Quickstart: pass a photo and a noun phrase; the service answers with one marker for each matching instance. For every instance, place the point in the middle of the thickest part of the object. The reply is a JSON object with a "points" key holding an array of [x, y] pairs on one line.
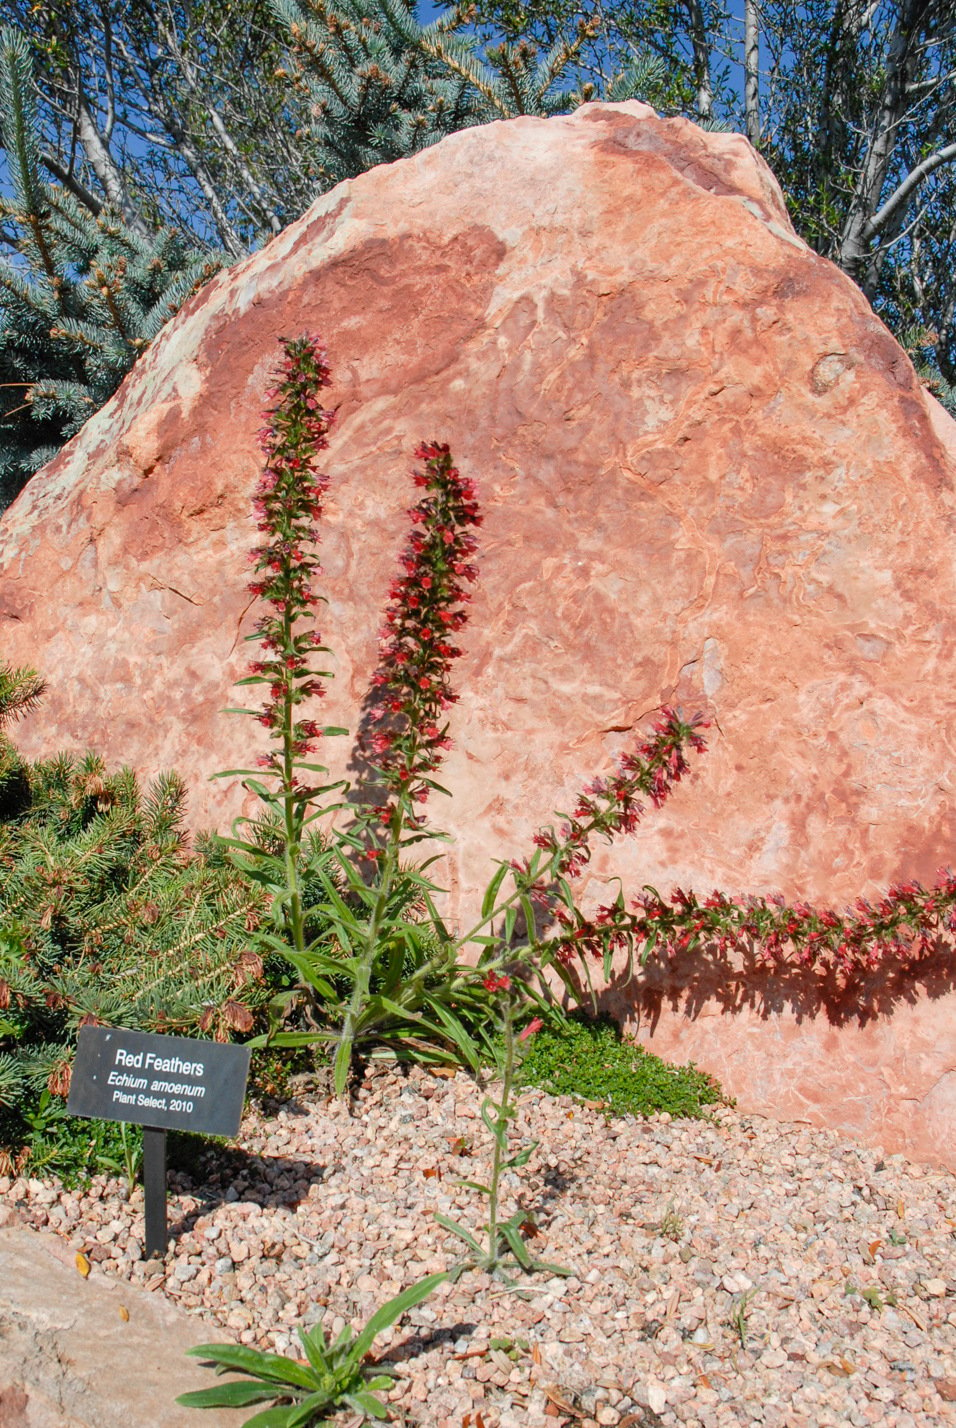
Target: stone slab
{"points": [[71, 1358]]}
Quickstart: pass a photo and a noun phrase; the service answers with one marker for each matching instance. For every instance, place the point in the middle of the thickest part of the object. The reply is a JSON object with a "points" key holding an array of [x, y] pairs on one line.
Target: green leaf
{"points": [[522, 1157], [294, 1038], [570, 985], [530, 917], [392, 966], [387, 1315], [239, 1359], [317, 1335], [494, 887], [474, 1185], [364, 1401], [236, 1394], [246, 773], [439, 788], [518, 1246], [422, 836], [311, 969], [435, 920], [271, 1418], [544, 1266], [495, 1124], [457, 1031], [254, 785], [462, 1234], [316, 1349], [303, 1414], [335, 908], [342, 1062], [343, 1341], [379, 1382], [243, 844], [567, 895], [650, 942]]}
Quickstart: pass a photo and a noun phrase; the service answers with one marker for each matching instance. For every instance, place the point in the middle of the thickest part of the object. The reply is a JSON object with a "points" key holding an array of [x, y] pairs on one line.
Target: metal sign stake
{"points": [[160, 1083], [154, 1185]]}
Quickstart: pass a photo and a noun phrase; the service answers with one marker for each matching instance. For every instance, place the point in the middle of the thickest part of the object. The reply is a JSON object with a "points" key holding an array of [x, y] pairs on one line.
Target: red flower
{"points": [[494, 983]]}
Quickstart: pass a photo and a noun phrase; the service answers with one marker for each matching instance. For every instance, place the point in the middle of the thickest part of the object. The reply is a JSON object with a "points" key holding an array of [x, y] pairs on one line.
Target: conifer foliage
{"points": [[380, 86], [83, 296], [107, 916]]}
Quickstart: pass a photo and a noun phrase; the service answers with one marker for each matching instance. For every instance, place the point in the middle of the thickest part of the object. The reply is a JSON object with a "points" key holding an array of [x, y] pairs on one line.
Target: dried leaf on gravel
{"points": [[555, 1396]]}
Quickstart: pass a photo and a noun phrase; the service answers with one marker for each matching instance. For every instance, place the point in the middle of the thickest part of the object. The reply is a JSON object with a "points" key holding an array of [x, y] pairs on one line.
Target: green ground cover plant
{"points": [[44, 1139], [334, 1374], [591, 1059]]}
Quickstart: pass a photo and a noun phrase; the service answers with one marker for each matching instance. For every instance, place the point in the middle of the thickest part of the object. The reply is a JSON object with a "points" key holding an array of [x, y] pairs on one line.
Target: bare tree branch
{"points": [[68, 179], [108, 173], [902, 195]]}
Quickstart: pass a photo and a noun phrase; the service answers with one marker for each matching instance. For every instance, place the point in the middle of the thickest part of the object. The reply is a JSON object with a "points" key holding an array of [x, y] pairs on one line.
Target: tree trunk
{"points": [[701, 48], [752, 71], [851, 252], [103, 165]]}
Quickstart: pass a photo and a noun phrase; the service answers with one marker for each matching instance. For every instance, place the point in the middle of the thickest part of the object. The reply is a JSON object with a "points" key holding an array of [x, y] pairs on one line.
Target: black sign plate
{"points": [[171, 1082]]}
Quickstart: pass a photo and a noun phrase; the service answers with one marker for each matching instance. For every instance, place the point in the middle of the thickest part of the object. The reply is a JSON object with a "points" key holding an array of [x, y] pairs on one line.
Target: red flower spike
{"points": [[612, 806], [288, 499], [411, 686]]}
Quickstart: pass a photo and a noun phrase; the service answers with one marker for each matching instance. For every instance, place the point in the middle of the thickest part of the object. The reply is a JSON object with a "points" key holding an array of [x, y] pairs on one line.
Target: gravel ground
{"points": [[732, 1271]]}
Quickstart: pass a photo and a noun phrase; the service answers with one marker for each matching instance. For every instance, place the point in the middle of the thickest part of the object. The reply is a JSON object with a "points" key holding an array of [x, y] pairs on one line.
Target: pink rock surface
{"points": [[91, 1353], [710, 477]]}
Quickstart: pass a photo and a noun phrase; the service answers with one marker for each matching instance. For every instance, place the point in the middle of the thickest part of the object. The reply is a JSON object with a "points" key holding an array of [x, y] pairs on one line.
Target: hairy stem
{"points": [[501, 1129]]}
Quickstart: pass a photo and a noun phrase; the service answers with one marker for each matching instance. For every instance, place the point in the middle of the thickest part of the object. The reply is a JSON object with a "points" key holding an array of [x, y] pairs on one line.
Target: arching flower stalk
{"points": [[541, 886]]}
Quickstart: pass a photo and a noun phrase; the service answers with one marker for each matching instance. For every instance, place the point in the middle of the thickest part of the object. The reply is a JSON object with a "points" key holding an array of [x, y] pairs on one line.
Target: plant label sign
{"points": [[170, 1082]]}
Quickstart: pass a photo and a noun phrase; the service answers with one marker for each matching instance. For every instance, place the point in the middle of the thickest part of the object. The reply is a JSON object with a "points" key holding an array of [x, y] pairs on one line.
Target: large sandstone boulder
{"points": [[710, 477]]}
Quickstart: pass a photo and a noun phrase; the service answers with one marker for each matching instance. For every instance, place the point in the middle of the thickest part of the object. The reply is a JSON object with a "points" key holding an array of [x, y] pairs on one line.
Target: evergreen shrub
{"points": [[107, 916]]}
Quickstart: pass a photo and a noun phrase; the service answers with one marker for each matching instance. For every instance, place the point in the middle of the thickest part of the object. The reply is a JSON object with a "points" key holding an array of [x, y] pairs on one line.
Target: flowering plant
{"points": [[287, 503], [504, 1242], [358, 916]]}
